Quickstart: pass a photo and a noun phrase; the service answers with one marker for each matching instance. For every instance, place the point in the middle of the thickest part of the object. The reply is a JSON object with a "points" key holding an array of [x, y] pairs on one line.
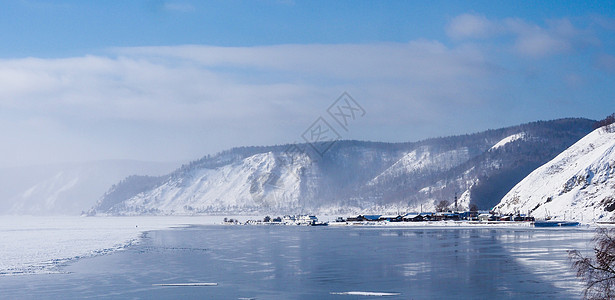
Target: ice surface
{"points": [[34, 245], [187, 284], [375, 294], [300, 262]]}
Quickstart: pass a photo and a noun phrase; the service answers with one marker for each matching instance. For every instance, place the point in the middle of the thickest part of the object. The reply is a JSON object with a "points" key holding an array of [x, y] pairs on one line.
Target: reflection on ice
{"points": [[545, 253], [414, 269]]}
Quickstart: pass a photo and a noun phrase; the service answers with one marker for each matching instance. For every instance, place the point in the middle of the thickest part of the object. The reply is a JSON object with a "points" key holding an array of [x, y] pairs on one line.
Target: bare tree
{"points": [[606, 121], [442, 206], [598, 273]]}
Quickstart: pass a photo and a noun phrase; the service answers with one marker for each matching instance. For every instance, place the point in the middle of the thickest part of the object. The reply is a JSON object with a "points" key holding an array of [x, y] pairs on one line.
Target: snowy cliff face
{"points": [[578, 184], [261, 182], [351, 176]]}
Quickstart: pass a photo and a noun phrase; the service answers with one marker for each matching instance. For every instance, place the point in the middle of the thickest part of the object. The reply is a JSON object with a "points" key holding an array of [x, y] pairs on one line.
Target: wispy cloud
{"points": [[178, 84], [472, 26], [178, 7], [337, 61], [532, 40], [240, 95], [180, 102]]}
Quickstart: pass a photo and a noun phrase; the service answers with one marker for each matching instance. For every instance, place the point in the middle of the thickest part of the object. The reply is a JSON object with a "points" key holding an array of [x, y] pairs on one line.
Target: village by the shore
{"points": [[450, 218]]}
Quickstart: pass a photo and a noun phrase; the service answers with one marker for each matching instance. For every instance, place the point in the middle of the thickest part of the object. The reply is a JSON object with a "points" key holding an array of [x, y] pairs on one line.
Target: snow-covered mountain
{"points": [[578, 184], [352, 176], [261, 181], [66, 189]]}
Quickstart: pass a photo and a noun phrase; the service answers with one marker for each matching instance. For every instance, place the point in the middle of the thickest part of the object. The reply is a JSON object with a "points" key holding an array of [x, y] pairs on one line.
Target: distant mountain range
{"points": [[350, 176], [66, 189], [579, 184]]}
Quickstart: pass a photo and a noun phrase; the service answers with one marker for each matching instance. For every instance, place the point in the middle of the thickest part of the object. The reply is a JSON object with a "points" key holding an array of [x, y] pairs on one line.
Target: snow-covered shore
{"points": [[38, 245]]}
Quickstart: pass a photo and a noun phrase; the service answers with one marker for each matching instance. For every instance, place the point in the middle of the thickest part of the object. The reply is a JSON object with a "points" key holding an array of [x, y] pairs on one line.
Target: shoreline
{"points": [[57, 242], [428, 224]]}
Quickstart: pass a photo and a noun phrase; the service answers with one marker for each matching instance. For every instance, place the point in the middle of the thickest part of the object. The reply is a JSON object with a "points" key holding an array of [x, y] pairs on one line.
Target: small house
{"points": [[390, 218], [413, 217], [486, 217], [358, 218], [371, 217], [505, 218]]}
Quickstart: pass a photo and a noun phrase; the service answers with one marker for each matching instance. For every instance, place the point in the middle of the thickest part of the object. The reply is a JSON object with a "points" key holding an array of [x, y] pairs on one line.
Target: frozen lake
{"points": [[293, 262]]}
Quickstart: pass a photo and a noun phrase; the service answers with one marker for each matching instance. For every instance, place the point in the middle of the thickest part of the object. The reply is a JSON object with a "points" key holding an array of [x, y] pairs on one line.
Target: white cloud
{"points": [[559, 36], [532, 40], [181, 102], [471, 26], [178, 7], [536, 41], [419, 59], [202, 99]]}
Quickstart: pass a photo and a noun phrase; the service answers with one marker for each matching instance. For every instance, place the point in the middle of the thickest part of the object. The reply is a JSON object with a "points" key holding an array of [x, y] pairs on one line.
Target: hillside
{"points": [[578, 184], [65, 189], [352, 176]]}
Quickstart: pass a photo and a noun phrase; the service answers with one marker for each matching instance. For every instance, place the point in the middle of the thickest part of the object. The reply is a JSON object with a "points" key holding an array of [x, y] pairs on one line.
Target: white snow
{"points": [[577, 184], [34, 245], [508, 139], [464, 200], [262, 181], [422, 160]]}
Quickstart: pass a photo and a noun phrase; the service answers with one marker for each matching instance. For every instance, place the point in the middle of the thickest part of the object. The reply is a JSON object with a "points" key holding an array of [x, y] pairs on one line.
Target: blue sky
{"points": [[61, 28], [175, 80]]}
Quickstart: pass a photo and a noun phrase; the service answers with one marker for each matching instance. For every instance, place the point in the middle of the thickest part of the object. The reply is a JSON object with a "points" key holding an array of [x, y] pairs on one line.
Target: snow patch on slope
{"points": [[507, 140], [578, 184]]}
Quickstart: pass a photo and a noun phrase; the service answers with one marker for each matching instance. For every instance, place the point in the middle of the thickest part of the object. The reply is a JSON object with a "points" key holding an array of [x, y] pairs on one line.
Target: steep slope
{"points": [[578, 184], [352, 176], [264, 181], [497, 160]]}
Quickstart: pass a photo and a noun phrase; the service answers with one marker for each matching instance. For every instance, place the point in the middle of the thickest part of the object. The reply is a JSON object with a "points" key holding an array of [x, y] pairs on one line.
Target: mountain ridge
{"points": [[66, 188], [351, 176]]}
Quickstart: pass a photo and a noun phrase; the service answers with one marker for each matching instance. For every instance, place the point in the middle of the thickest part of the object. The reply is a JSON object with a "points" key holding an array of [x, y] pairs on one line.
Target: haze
{"points": [[173, 81]]}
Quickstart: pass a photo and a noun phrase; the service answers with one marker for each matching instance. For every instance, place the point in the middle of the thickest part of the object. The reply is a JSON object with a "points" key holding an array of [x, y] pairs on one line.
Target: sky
{"points": [[177, 80]]}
